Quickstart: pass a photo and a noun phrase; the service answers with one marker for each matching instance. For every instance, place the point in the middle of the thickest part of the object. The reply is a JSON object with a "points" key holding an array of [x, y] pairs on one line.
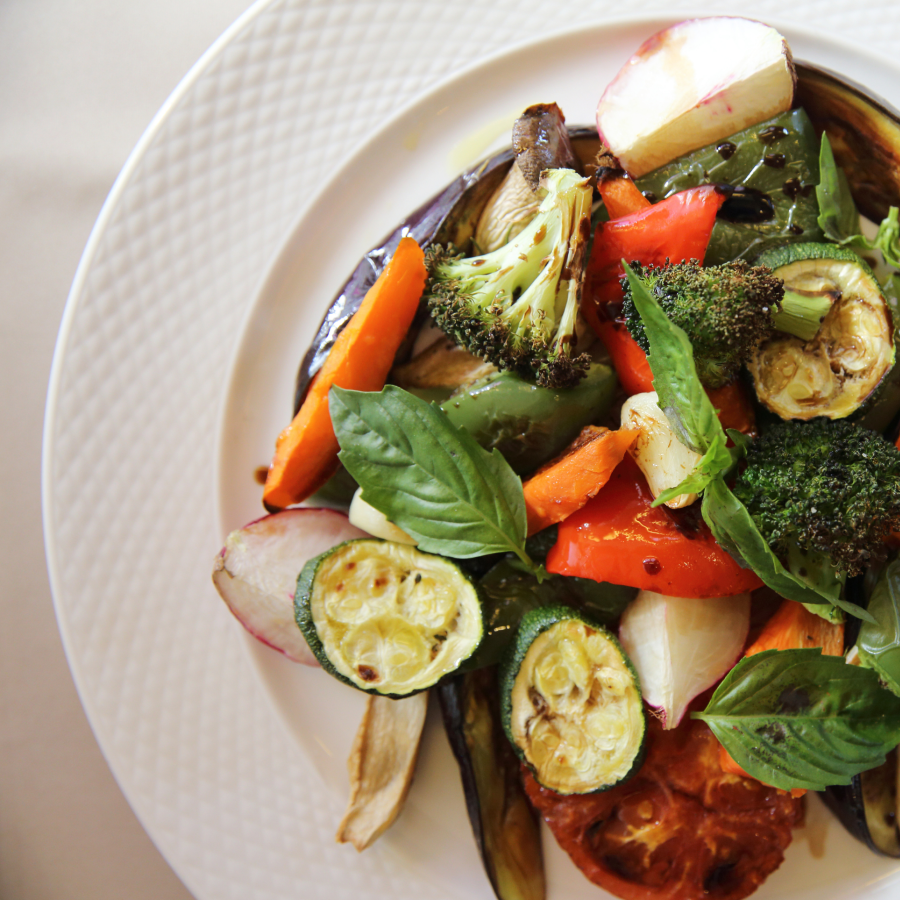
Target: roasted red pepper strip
{"points": [[675, 229], [618, 537]]}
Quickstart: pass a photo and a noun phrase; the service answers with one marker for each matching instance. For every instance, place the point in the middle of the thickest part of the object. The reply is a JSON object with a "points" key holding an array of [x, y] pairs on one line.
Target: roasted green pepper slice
{"points": [[776, 162], [526, 423]]}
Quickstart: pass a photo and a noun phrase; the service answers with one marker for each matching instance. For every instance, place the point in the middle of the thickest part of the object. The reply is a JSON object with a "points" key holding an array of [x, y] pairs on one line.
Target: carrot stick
{"points": [[792, 627], [566, 483], [621, 196], [306, 452]]}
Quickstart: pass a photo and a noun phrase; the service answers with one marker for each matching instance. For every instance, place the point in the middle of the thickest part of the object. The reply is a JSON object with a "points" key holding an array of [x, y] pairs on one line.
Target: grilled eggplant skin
{"points": [[448, 216], [505, 826], [867, 807]]}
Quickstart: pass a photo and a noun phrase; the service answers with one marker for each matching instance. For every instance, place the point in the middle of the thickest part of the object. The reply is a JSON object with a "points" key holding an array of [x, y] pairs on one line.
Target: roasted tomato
{"points": [[680, 829]]}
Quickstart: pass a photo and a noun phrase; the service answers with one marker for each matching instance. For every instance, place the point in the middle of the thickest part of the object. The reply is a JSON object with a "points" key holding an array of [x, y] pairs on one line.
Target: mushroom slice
{"points": [[381, 765]]}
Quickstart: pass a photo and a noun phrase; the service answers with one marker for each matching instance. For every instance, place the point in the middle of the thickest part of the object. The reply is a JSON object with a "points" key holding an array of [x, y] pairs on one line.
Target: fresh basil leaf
{"points": [[838, 217], [716, 460], [733, 527], [428, 476], [879, 641], [798, 719], [888, 238], [681, 395]]}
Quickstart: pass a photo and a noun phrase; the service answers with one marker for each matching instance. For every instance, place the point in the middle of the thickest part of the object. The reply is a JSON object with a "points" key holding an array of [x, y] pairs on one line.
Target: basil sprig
{"points": [[798, 719], [839, 218], [879, 641], [681, 395], [693, 418], [428, 476]]}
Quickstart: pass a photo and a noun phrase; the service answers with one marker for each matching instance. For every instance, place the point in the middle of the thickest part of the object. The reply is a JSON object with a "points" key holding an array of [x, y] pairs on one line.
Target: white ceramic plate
{"points": [[170, 384]]}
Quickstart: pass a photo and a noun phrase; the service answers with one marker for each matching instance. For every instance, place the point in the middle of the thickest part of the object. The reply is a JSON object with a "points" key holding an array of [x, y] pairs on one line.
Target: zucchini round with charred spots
{"points": [[571, 702], [387, 618], [835, 345]]}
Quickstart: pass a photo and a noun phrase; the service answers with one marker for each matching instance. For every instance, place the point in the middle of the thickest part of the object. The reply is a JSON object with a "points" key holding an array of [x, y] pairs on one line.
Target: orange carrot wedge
{"points": [[792, 627], [566, 483], [306, 451], [621, 196]]}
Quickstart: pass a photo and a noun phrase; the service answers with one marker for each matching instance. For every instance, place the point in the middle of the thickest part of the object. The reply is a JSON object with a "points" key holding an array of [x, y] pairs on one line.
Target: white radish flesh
{"points": [[256, 572], [692, 84]]}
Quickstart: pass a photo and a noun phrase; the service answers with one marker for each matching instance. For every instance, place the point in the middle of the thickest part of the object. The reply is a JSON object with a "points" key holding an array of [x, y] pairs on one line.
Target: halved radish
{"points": [[680, 646], [256, 572], [691, 84]]}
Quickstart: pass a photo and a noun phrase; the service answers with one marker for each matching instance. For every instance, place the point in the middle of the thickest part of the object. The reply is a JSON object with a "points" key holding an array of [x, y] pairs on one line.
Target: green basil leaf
{"points": [[681, 396], [798, 719], [428, 476], [879, 641], [717, 459], [888, 238], [838, 217], [733, 527]]}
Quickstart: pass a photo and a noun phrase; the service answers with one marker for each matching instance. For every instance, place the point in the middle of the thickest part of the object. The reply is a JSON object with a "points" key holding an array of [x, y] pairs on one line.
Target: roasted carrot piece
{"points": [[566, 483], [792, 627], [621, 196], [306, 451]]}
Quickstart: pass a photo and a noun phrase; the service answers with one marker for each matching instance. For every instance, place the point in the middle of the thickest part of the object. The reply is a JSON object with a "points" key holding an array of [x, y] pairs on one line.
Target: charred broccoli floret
{"points": [[827, 486], [517, 307], [725, 311]]}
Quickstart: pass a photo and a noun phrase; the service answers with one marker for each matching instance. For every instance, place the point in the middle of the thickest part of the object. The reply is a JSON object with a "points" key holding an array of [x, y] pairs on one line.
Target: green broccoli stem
{"points": [[801, 314]]}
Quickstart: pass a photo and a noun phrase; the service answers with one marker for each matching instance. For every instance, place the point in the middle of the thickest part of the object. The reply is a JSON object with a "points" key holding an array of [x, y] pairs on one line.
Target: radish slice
{"points": [[256, 572], [680, 646], [692, 84]]}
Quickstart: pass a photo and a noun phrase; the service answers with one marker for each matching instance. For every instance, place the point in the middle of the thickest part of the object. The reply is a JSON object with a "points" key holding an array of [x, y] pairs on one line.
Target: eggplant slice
{"points": [[868, 807], [506, 828]]}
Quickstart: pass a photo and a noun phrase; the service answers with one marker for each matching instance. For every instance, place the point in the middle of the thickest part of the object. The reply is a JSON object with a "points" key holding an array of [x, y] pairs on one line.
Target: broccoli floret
{"points": [[725, 311], [827, 486], [517, 307]]}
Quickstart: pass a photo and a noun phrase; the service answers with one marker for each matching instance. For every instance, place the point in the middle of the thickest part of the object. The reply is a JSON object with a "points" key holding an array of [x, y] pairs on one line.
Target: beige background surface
{"points": [[79, 82]]}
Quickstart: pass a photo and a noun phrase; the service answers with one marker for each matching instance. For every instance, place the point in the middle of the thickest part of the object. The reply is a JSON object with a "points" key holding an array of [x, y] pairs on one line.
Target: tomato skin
{"points": [[680, 829], [618, 537]]}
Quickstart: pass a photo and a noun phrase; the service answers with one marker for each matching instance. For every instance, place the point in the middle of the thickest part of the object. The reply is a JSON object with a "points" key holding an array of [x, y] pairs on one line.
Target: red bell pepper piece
{"points": [[675, 229], [618, 537]]}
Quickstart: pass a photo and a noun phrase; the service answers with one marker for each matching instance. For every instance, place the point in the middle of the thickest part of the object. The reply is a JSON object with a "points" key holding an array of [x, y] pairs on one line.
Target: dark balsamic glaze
{"points": [[774, 160], [726, 149], [745, 206], [772, 133], [649, 195]]}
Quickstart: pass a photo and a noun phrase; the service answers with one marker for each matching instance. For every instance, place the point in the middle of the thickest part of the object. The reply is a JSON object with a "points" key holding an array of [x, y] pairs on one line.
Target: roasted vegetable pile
{"points": [[607, 418]]}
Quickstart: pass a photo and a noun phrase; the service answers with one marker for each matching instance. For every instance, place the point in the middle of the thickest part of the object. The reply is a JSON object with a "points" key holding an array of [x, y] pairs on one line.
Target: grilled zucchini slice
{"points": [[571, 703], [837, 369], [387, 618]]}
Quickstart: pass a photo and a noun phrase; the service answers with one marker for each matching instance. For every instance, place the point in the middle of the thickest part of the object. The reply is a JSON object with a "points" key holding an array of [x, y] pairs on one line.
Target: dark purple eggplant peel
{"points": [[449, 217]]}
